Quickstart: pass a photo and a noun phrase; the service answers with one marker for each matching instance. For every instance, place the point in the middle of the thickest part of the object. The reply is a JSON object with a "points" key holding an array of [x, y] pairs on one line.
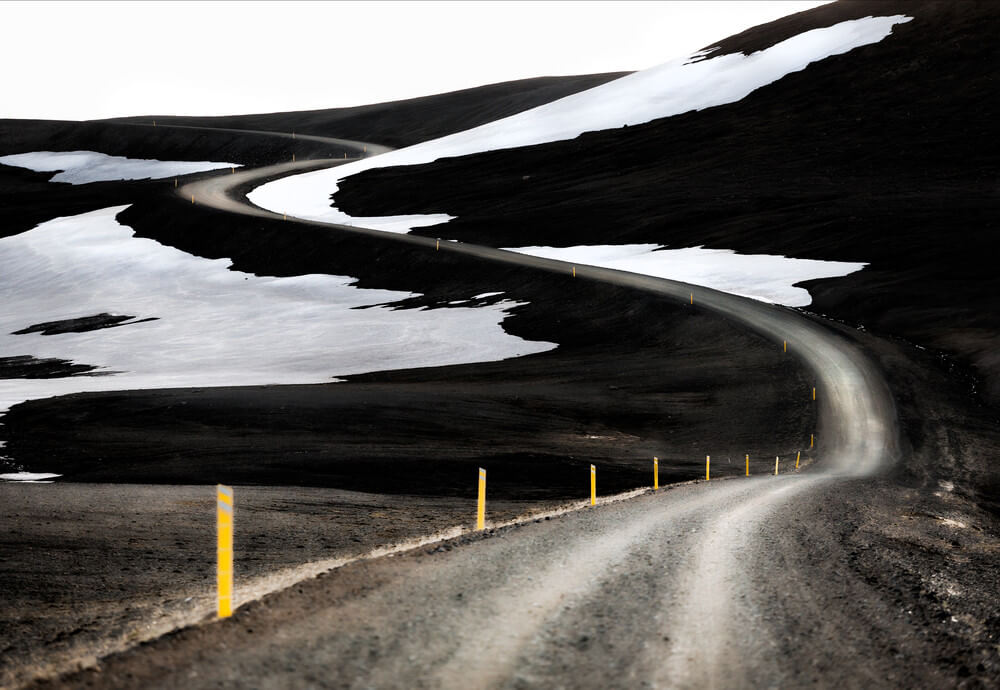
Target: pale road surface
{"points": [[698, 585]]}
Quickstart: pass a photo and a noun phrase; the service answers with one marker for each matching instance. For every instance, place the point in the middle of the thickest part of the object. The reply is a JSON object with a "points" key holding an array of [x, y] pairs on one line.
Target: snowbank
{"points": [[81, 167], [670, 89], [214, 326], [765, 277]]}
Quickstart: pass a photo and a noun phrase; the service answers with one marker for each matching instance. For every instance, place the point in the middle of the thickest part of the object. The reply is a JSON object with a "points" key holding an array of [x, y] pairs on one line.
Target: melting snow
{"points": [[81, 167], [765, 277], [214, 327], [30, 477], [670, 89]]}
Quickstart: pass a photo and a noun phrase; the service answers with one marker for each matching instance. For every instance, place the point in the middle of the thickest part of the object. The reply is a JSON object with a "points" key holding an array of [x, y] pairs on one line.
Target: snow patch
{"points": [[29, 477], [764, 277], [82, 167], [673, 88], [215, 326]]}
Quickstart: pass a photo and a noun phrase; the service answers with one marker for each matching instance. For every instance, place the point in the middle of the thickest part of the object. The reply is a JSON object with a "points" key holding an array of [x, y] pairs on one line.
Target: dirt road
{"points": [[699, 585]]}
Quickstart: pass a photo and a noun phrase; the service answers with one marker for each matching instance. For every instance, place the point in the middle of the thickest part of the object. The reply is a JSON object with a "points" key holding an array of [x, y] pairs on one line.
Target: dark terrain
{"points": [[896, 166]]}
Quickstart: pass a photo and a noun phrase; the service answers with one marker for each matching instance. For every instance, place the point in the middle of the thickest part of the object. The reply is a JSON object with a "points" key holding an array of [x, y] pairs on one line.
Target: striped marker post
{"points": [[224, 532], [593, 485], [481, 503], [656, 474]]}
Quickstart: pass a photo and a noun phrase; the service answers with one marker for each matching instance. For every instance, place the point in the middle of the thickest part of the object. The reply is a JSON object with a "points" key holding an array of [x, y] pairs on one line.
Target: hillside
{"points": [[885, 155]]}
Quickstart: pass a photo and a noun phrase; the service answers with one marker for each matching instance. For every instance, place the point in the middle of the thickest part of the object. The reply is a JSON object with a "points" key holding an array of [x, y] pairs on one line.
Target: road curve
{"points": [[857, 422], [659, 591]]}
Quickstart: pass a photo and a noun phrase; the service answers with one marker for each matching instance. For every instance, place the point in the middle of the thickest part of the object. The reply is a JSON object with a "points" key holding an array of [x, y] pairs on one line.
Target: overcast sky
{"points": [[83, 60]]}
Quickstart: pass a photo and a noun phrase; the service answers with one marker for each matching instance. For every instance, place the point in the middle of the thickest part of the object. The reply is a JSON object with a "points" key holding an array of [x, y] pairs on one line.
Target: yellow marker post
{"points": [[748, 464], [593, 485], [437, 246], [192, 198], [234, 170], [775, 465], [798, 455], [708, 463], [784, 346], [574, 271], [481, 504], [224, 532], [811, 439], [814, 393], [692, 298], [656, 473]]}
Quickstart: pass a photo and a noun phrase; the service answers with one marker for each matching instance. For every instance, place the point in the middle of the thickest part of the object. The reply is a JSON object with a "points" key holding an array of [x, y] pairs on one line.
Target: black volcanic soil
{"points": [[887, 154]]}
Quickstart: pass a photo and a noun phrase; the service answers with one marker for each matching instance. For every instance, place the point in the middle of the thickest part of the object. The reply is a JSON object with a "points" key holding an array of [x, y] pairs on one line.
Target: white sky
{"points": [[83, 60]]}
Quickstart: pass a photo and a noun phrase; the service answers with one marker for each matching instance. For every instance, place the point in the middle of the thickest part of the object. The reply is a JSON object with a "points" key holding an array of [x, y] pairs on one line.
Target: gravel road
{"points": [[691, 586]]}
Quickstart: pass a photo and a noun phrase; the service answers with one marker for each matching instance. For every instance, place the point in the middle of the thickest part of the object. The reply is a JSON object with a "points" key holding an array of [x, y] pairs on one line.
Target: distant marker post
{"points": [[593, 485], [798, 455], [656, 474], [481, 503], [224, 549], [784, 346], [775, 465], [748, 464], [574, 271], [811, 439], [814, 393], [708, 464]]}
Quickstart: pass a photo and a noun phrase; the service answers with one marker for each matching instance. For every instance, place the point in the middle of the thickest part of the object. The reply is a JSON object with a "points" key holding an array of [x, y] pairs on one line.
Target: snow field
{"points": [[82, 167], [673, 88], [764, 277], [214, 326]]}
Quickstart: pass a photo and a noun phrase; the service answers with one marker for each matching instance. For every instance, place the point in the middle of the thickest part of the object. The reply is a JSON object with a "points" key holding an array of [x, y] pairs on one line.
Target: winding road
{"points": [[704, 584]]}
